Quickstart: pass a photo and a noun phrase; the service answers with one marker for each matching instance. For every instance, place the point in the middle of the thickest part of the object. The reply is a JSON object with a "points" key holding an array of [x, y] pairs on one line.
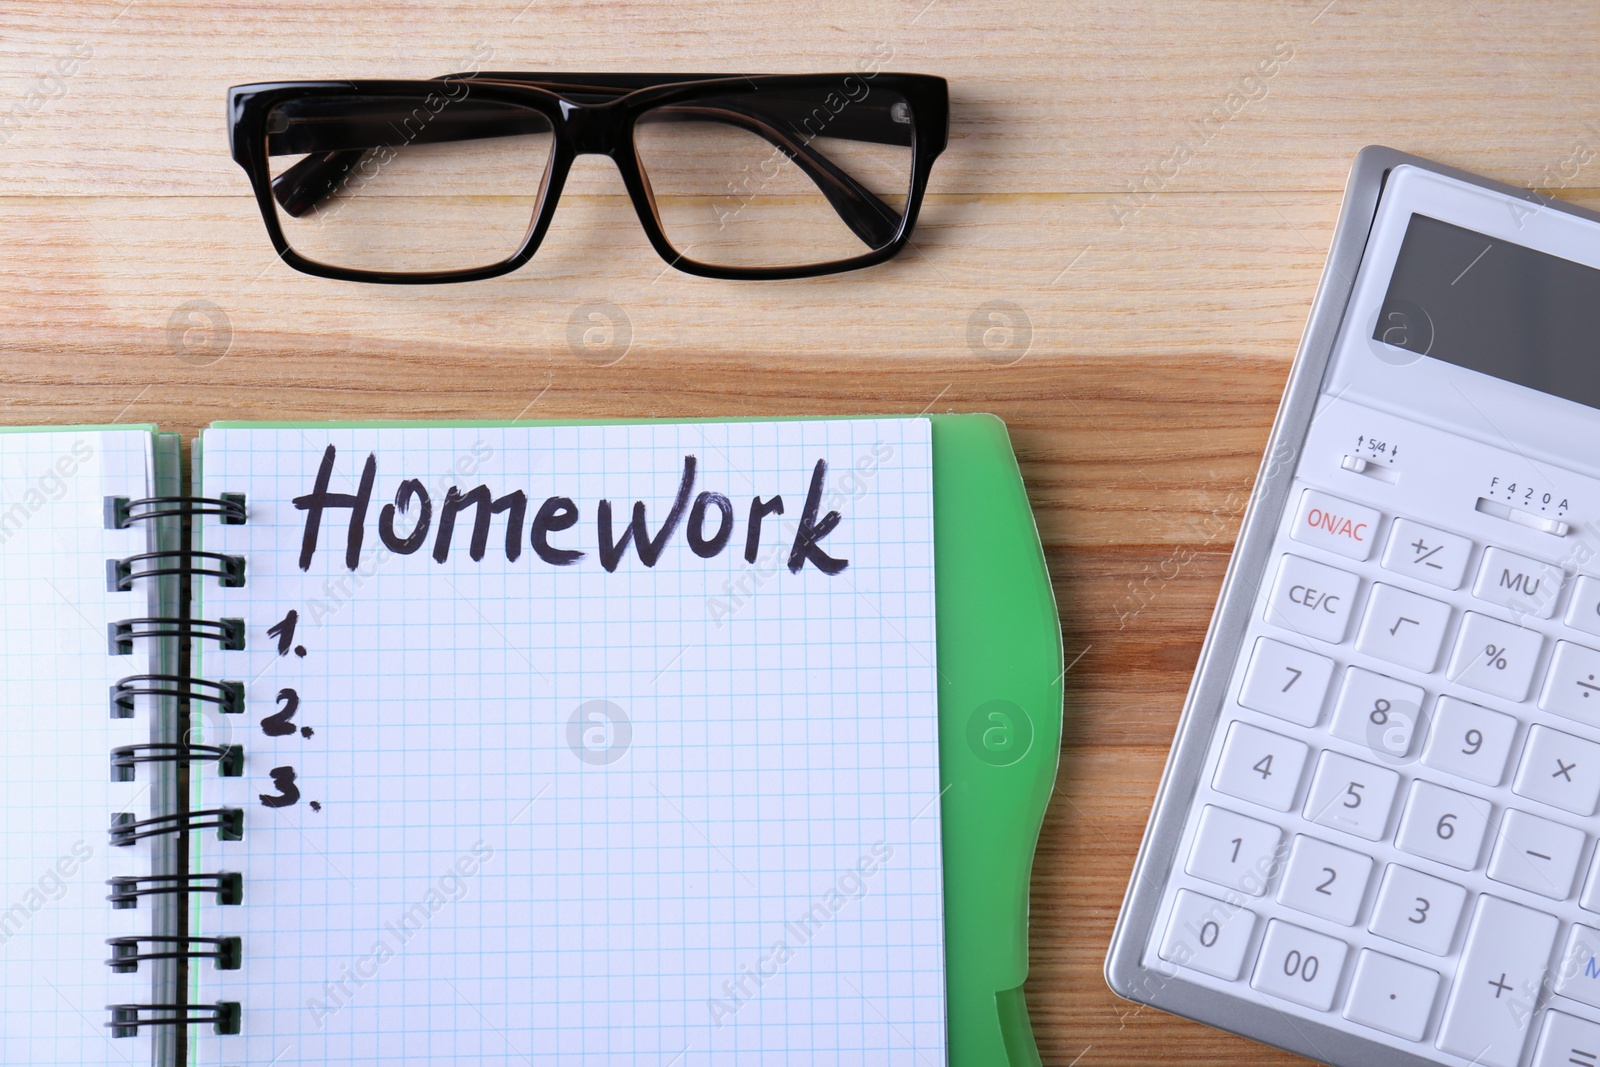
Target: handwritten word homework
{"points": [[555, 515]]}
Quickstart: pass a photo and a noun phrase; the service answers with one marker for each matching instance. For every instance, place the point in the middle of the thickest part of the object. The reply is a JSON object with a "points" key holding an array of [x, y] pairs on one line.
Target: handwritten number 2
{"points": [[288, 792], [281, 724]]}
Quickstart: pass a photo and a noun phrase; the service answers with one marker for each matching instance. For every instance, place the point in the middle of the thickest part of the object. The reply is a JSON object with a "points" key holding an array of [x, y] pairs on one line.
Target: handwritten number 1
{"points": [[283, 630]]}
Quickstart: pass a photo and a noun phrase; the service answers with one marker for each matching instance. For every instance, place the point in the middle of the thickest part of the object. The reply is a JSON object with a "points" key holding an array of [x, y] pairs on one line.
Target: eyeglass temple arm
{"points": [[307, 183], [868, 217]]}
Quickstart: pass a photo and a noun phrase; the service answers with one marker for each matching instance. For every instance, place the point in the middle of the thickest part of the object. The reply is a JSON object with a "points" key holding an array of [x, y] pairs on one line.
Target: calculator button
{"points": [[1521, 585], [1299, 965], [1352, 796], [1494, 657], [1442, 824], [1584, 611], [1560, 770], [1567, 1041], [1234, 851], [1424, 553], [1286, 681], [1589, 899], [1312, 599], [1403, 628], [1536, 854], [1208, 935], [1260, 766], [1336, 525], [1417, 909], [1578, 976], [1497, 983], [1377, 711], [1325, 880], [1572, 684], [1469, 741], [1391, 995]]}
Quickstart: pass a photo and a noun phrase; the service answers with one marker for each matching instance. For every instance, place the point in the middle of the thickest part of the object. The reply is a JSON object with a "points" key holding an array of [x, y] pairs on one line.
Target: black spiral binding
{"points": [[122, 513], [126, 1020], [228, 696], [127, 889], [228, 758], [120, 573], [125, 954]]}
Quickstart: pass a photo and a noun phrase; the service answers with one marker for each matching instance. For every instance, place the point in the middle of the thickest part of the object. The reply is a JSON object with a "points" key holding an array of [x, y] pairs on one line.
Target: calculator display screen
{"points": [[1495, 307]]}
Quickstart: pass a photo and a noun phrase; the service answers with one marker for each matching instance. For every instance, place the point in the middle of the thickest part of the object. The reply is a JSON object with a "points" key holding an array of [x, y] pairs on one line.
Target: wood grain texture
{"points": [[1154, 264]]}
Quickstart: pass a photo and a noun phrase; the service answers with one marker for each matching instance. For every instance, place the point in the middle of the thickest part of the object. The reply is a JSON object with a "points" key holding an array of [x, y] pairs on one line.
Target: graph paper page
{"points": [[675, 803], [56, 736]]}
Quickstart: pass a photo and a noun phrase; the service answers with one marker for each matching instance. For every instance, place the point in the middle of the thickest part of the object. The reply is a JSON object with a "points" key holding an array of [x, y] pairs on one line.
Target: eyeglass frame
{"points": [[583, 128]]}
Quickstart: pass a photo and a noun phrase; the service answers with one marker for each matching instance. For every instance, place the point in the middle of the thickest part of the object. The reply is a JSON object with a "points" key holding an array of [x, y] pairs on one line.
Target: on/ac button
{"points": [[1336, 525]]}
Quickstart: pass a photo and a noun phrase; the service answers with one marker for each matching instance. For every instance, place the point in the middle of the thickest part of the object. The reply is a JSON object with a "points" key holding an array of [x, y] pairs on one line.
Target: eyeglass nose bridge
{"points": [[593, 129]]}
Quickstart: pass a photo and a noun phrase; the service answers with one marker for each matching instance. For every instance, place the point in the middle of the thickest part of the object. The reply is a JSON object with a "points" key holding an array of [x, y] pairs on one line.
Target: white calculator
{"points": [[1375, 841]]}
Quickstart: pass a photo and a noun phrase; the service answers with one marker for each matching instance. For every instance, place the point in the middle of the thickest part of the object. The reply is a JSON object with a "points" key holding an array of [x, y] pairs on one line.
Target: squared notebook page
{"points": [[544, 813], [56, 736]]}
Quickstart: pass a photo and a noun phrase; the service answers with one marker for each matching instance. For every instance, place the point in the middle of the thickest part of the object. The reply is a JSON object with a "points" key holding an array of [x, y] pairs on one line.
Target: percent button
{"points": [[1495, 657]]}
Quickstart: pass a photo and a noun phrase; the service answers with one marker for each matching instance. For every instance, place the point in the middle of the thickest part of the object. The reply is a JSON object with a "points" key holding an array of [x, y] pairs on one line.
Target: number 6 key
{"points": [[1442, 824]]}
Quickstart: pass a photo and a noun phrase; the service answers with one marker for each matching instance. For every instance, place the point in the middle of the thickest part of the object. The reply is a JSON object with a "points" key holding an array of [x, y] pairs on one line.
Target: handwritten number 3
{"points": [[288, 792]]}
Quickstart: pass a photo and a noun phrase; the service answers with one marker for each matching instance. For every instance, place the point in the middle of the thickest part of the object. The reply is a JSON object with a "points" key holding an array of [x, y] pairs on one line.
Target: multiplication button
{"points": [[1559, 769], [1312, 599]]}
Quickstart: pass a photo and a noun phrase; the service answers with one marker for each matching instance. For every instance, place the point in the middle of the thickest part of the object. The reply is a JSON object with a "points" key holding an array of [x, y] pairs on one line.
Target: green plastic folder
{"points": [[999, 692]]}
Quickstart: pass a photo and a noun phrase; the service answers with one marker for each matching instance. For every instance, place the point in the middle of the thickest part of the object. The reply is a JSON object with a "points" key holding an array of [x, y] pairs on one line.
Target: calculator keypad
{"points": [[1395, 823]]}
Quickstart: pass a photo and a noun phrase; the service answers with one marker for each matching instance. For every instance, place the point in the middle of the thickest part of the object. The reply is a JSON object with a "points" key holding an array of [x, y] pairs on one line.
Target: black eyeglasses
{"points": [[732, 176]]}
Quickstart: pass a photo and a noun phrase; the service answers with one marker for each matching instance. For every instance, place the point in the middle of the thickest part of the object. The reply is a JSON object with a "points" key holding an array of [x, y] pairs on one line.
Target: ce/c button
{"points": [[1312, 599]]}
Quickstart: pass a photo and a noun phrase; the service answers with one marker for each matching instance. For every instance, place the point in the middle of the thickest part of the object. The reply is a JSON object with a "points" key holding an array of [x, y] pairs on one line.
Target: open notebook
{"points": [[58, 729], [657, 744]]}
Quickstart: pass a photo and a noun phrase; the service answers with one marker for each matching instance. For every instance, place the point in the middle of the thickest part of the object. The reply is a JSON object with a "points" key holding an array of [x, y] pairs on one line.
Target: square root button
{"points": [[1313, 599], [1336, 525]]}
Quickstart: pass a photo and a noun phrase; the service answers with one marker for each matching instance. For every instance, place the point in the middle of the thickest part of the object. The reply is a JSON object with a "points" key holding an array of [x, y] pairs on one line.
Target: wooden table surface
{"points": [[1117, 255]]}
